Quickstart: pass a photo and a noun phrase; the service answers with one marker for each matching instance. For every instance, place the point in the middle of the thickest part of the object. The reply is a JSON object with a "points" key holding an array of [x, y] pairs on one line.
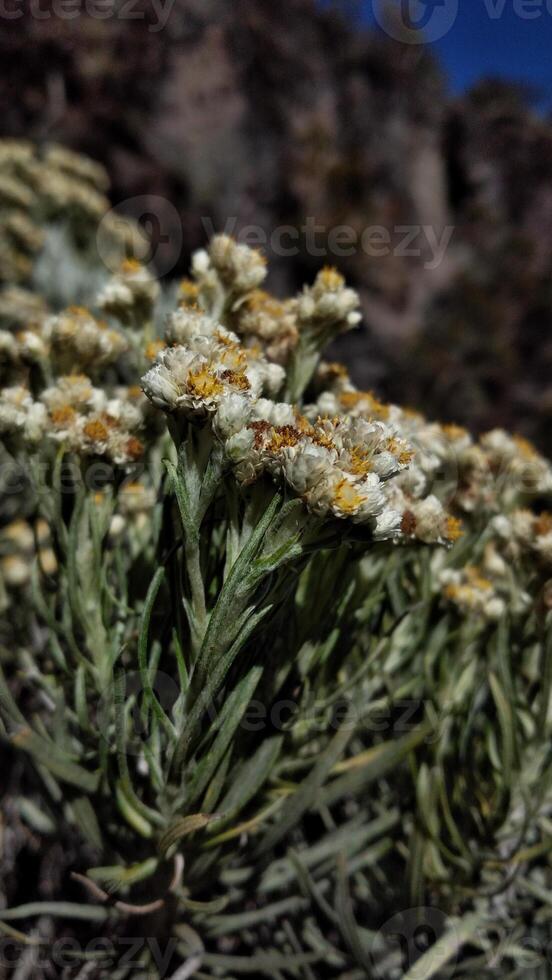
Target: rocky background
{"points": [[254, 113]]}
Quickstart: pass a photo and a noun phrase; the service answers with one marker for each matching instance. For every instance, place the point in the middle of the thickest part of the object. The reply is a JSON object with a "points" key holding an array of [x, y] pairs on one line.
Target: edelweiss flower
{"points": [[194, 378], [233, 414], [329, 304], [523, 534], [424, 519], [239, 268], [60, 158], [75, 391], [131, 294], [472, 593], [97, 434], [271, 323], [516, 464], [349, 401], [194, 329], [9, 351], [21, 307], [79, 341], [473, 478], [276, 413], [31, 346], [83, 419], [20, 415], [338, 467], [204, 335]]}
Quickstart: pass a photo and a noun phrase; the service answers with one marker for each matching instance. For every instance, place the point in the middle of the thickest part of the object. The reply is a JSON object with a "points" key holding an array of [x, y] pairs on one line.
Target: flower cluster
{"points": [[207, 364], [273, 324], [22, 419], [130, 294], [86, 421], [239, 268], [339, 466], [328, 307], [78, 341], [472, 593], [53, 184], [525, 535], [20, 542], [474, 478], [227, 280], [20, 307]]}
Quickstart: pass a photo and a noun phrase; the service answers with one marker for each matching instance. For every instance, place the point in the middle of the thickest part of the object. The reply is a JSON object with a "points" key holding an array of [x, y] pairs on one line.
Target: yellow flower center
{"points": [[152, 349], [453, 529], [347, 497], [359, 463], [62, 416], [477, 580], [330, 278], [366, 401], [398, 449], [205, 384], [453, 432], [282, 436], [525, 447], [96, 431], [129, 266]]}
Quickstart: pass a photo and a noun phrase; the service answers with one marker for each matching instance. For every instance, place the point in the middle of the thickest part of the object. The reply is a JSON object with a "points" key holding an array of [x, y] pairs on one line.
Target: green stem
{"points": [[192, 557]]}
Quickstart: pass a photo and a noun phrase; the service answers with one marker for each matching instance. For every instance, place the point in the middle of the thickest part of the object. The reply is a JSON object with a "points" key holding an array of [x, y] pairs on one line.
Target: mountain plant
{"points": [[275, 656]]}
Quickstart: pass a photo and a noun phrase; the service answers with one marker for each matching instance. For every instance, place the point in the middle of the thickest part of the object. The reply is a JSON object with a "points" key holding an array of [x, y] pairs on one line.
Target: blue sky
{"points": [[506, 38]]}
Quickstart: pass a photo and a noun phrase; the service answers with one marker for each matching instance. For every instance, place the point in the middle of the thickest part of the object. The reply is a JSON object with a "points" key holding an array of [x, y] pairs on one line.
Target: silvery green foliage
{"points": [[81, 280], [277, 652]]}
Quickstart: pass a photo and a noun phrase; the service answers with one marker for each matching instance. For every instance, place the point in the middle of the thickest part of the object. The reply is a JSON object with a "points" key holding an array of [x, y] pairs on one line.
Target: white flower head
{"points": [[329, 304], [20, 415], [233, 414], [195, 329], [194, 378], [9, 351], [240, 268], [31, 346], [78, 341]]}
